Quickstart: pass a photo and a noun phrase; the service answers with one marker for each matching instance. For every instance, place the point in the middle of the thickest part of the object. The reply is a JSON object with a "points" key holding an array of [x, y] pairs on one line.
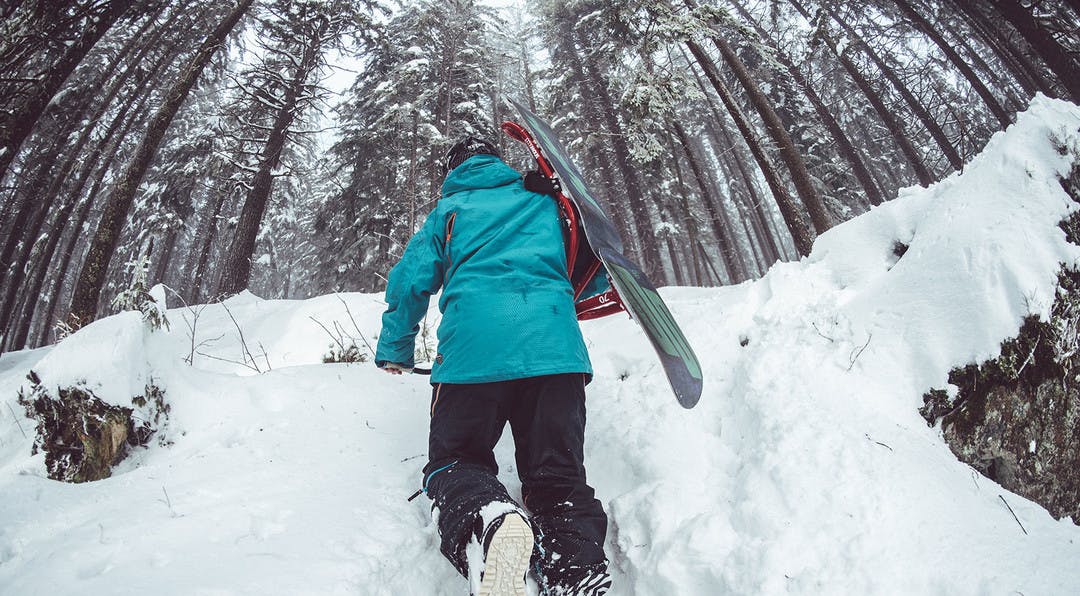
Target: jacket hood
{"points": [[479, 171]]}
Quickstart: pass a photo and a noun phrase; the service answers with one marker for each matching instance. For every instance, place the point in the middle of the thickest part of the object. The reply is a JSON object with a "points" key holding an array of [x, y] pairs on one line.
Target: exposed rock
{"points": [[1016, 419], [82, 436]]}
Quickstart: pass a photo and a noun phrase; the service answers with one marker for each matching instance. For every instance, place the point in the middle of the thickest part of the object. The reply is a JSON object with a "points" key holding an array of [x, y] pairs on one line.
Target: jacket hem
{"points": [[510, 375]]}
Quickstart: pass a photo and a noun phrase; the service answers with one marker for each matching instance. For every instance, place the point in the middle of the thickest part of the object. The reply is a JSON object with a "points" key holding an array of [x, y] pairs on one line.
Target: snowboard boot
{"points": [[508, 546], [591, 580]]}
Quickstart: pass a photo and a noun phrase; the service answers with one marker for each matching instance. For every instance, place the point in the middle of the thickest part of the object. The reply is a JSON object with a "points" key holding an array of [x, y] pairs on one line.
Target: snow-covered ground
{"points": [[805, 469]]}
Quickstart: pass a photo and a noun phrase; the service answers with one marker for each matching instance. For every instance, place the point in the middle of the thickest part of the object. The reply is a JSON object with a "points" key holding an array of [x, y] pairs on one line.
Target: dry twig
{"points": [[1013, 514], [855, 355]]}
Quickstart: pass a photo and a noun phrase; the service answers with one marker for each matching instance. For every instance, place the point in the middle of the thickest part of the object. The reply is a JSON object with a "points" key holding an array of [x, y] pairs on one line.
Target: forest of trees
{"points": [[293, 146]]}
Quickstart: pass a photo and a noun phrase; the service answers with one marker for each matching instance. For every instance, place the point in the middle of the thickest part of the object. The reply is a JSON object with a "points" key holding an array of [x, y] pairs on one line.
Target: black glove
{"points": [[537, 182]]}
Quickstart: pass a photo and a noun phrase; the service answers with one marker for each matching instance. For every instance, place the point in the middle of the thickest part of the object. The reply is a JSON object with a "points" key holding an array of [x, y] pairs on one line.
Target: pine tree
{"points": [[91, 279], [296, 35], [427, 83]]}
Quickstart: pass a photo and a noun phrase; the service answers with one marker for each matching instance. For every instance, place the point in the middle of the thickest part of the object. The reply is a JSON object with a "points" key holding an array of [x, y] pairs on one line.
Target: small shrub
{"points": [[344, 353], [137, 297]]}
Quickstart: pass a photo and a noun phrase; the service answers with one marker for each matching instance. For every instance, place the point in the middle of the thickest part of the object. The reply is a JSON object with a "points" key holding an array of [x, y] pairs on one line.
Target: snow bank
{"points": [[805, 469]]}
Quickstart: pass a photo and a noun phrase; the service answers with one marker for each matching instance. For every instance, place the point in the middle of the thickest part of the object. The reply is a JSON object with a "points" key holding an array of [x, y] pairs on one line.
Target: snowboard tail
{"points": [[645, 305]]}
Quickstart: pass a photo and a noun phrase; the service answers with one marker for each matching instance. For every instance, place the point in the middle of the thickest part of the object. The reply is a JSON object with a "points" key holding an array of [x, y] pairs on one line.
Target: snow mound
{"points": [[805, 469]]}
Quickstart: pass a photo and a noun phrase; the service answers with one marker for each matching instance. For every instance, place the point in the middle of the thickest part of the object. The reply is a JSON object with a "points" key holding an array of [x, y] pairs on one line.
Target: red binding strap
{"points": [[600, 305]]}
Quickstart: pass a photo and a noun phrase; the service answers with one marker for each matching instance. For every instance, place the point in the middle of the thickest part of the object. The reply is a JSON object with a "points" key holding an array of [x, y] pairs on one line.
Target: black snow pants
{"points": [[547, 418]]}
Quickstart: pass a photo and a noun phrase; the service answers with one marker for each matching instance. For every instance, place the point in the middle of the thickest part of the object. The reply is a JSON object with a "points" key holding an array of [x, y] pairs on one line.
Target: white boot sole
{"points": [[508, 558]]}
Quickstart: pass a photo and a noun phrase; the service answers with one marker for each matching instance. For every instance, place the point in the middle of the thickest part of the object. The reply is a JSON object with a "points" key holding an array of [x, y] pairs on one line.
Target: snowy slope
{"points": [[805, 469]]}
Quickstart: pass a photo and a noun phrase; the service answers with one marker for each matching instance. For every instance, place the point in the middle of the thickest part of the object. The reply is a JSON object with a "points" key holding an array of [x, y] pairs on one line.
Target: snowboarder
{"points": [[510, 350]]}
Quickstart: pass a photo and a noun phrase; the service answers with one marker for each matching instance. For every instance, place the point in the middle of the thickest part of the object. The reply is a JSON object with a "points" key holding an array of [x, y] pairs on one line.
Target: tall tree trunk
{"points": [[804, 186], [16, 126], [954, 57], [732, 160], [92, 278], [1006, 82], [754, 260], [24, 202], [25, 208], [525, 60], [916, 106], [599, 156], [1044, 44], [47, 243], [843, 143], [236, 270], [719, 221], [896, 130], [717, 128], [889, 173], [662, 213], [168, 246], [1029, 75], [688, 223], [52, 202], [709, 265], [200, 248], [797, 226], [76, 223], [639, 209]]}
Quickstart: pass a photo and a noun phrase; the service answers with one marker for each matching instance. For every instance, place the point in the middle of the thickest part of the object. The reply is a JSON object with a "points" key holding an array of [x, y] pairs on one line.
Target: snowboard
{"points": [[632, 288]]}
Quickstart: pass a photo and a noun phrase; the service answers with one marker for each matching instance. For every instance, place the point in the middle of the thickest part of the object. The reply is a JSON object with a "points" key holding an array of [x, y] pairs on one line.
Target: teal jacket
{"points": [[497, 251]]}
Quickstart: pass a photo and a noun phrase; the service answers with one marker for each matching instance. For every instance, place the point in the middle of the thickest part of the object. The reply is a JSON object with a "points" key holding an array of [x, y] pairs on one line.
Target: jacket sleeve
{"points": [[412, 281]]}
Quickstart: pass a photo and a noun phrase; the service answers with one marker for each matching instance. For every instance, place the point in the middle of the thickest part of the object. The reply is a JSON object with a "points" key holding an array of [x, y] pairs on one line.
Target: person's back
{"points": [[507, 303], [510, 351]]}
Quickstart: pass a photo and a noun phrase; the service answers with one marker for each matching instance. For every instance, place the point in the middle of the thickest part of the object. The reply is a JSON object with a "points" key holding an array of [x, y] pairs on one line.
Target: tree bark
{"points": [[916, 106], [689, 224], [92, 278], [1001, 76], [82, 209], [164, 256], [718, 129], [719, 221], [200, 248], [48, 241], [1029, 75], [762, 221], [25, 209], [804, 186], [896, 130], [51, 201]]}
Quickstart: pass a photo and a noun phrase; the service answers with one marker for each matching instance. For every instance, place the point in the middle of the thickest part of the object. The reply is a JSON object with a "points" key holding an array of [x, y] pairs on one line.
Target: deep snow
{"points": [[805, 469]]}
